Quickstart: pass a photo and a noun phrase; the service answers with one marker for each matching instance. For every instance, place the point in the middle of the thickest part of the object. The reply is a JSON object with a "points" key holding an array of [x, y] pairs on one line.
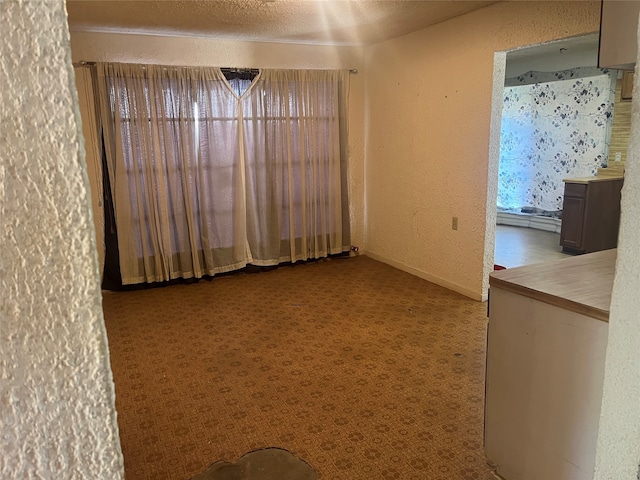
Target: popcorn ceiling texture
{"points": [[428, 107], [298, 21], [56, 389]]}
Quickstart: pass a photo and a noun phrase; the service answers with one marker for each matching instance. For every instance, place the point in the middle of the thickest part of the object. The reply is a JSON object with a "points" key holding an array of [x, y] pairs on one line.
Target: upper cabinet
{"points": [[619, 34]]}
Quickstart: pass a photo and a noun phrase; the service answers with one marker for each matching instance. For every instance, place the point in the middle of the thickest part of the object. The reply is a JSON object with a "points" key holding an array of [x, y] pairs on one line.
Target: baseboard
{"points": [[428, 277], [547, 224]]}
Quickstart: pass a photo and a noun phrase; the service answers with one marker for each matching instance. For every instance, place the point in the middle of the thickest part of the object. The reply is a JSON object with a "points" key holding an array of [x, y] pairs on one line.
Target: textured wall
{"points": [[618, 454], [56, 390], [428, 107], [196, 51]]}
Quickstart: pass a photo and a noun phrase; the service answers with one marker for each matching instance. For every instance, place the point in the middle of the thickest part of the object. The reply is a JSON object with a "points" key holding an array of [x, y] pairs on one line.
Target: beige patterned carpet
{"points": [[359, 369]]}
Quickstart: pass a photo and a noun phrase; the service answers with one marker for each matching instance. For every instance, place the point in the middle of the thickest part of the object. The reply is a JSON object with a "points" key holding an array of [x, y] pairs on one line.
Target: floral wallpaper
{"points": [[554, 128]]}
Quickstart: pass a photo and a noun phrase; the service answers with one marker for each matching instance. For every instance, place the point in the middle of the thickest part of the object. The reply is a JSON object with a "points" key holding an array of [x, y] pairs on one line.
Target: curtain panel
{"points": [[91, 133], [208, 176]]}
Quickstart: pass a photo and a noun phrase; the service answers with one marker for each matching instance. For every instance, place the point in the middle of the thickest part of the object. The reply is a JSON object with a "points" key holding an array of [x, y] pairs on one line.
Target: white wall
{"points": [[56, 390], [194, 51], [428, 111], [551, 59]]}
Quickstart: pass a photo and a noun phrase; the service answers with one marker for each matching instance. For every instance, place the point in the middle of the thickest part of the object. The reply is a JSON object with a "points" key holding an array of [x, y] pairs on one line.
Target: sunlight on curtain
{"points": [[179, 205], [206, 180]]}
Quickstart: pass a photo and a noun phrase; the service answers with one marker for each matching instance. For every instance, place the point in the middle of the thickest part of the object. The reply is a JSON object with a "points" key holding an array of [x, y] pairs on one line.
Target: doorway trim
{"points": [[497, 100]]}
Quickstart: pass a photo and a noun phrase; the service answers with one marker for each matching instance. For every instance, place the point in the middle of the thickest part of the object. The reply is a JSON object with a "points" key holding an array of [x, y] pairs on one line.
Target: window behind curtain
{"points": [[210, 174], [295, 130]]}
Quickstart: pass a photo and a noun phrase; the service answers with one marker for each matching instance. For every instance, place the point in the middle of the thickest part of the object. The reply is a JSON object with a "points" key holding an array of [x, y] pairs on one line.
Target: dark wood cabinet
{"points": [[590, 214]]}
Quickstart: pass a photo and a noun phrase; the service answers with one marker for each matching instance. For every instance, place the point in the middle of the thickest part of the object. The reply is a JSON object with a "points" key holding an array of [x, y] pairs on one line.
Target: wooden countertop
{"points": [[581, 284], [592, 179]]}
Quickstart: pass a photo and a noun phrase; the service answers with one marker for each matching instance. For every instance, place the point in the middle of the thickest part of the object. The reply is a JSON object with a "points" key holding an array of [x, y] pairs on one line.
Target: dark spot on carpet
{"points": [[266, 464]]}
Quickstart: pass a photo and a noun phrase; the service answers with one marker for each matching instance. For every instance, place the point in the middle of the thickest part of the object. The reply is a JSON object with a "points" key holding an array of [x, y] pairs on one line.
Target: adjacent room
{"points": [[281, 265], [563, 119]]}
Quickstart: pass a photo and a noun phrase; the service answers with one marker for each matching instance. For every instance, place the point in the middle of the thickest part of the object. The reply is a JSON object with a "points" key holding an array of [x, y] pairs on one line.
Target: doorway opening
{"points": [[553, 113]]}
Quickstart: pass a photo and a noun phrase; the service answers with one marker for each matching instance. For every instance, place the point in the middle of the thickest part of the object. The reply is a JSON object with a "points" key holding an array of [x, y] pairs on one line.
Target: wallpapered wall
{"points": [[554, 125]]}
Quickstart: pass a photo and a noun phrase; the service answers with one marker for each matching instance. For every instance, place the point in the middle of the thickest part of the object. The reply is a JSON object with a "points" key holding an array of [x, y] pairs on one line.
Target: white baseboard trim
{"points": [[428, 277], [547, 224]]}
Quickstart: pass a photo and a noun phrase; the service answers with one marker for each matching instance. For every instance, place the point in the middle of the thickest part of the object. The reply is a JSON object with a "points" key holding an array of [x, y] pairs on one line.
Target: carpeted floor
{"points": [[359, 369]]}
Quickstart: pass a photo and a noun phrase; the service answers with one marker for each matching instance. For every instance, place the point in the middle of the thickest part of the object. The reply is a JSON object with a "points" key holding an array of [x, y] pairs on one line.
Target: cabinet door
{"points": [[601, 215], [572, 222]]}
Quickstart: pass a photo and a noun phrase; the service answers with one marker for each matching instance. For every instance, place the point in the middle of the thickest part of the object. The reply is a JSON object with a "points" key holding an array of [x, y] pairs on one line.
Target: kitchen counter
{"points": [[601, 178], [580, 284], [546, 347]]}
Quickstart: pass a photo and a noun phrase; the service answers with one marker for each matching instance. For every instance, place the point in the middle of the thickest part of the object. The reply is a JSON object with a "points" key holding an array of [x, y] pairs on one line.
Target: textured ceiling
{"points": [[341, 22]]}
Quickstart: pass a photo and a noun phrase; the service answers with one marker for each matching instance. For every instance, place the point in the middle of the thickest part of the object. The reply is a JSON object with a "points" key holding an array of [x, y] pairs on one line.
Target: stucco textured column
{"points": [[618, 452], [56, 390]]}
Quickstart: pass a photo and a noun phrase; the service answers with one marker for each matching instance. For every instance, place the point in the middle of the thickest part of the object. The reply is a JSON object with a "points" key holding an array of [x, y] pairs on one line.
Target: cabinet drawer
{"points": [[575, 189]]}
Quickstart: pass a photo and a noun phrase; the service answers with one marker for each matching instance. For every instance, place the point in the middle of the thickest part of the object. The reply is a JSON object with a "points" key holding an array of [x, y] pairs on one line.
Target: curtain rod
{"points": [[82, 63], [255, 71]]}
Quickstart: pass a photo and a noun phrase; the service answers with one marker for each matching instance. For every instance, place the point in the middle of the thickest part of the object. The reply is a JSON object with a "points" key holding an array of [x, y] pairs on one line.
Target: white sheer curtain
{"points": [[176, 176], [206, 179], [296, 184], [90, 133]]}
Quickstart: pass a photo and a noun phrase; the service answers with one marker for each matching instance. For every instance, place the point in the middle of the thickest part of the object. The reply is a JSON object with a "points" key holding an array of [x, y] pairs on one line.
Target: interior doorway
{"points": [[515, 235]]}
